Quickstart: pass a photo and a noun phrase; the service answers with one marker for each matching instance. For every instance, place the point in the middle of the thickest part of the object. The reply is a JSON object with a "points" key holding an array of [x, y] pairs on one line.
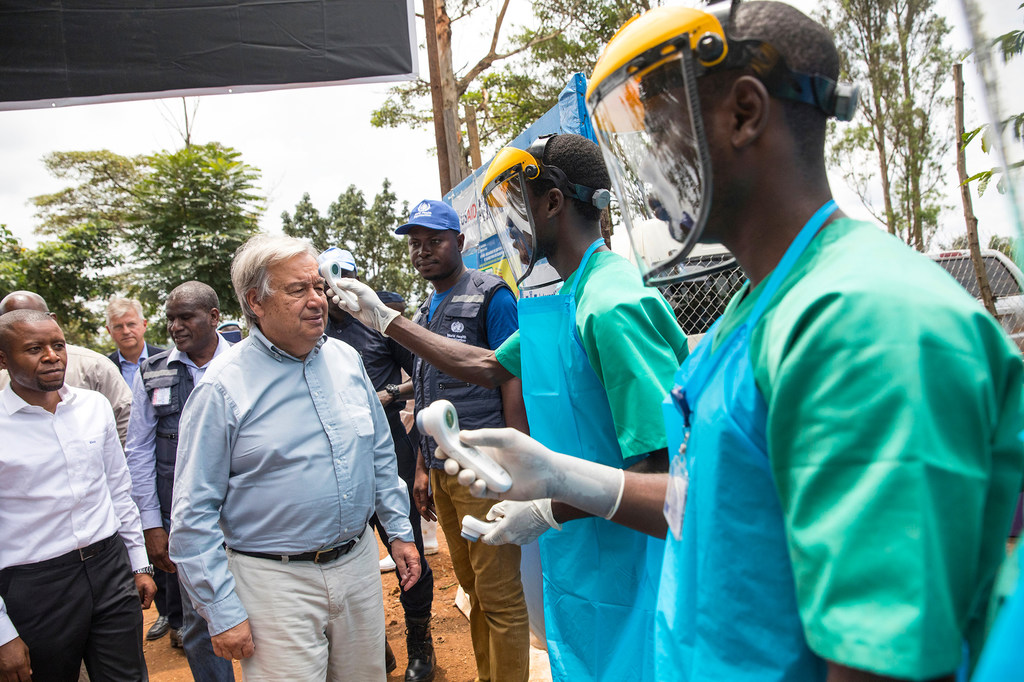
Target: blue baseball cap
{"points": [[432, 214]]}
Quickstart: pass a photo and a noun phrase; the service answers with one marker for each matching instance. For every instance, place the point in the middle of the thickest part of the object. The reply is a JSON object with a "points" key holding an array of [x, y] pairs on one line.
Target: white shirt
{"points": [[140, 450], [64, 483]]}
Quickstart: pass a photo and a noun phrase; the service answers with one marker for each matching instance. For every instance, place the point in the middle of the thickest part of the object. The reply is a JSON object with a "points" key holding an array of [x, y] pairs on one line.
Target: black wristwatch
{"points": [[393, 390]]}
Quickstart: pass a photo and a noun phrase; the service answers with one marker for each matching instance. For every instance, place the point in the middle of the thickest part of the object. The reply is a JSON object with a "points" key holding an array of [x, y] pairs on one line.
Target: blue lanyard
{"points": [[703, 372]]}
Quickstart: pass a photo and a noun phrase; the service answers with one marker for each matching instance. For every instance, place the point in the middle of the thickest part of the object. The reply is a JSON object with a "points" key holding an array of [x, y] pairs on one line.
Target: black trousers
{"points": [[68, 610], [417, 600]]}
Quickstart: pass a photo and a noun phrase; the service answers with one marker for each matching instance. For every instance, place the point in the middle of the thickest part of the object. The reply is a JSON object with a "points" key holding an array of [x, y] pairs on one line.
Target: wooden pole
{"points": [[965, 195], [433, 63], [474, 136]]}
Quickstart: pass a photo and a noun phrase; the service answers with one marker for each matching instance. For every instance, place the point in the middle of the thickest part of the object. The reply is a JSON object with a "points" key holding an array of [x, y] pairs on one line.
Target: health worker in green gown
{"points": [[845, 441], [596, 360]]}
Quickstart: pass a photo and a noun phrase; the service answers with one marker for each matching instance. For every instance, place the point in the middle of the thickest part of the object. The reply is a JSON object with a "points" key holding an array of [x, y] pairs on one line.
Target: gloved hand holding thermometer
{"points": [[359, 300], [535, 471], [511, 523]]}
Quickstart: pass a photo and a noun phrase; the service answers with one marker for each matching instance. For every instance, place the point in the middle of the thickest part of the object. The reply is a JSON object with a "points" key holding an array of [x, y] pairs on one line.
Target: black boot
{"points": [[390, 662], [421, 650]]}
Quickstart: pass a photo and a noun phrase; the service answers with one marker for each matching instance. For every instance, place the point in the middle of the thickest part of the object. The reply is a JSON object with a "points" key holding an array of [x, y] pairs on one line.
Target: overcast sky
{"points": [[316, 140]]}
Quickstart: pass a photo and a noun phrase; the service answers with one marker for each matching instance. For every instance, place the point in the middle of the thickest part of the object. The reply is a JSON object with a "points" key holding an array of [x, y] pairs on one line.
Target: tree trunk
{"points": [[457, 167], [430, 10], [965, 196], [474, 136]]}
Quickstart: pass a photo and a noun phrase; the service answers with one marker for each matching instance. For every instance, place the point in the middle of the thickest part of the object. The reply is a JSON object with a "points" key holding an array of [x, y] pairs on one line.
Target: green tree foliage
{"points": [[137, 226], [85, 220], [511, 86], [192, 209], [893, 154], [366, 231]]}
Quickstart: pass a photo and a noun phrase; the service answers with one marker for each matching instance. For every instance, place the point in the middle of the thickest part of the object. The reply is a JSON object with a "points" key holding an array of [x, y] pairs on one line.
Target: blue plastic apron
{"points": [[599, 594], [726, 604]]}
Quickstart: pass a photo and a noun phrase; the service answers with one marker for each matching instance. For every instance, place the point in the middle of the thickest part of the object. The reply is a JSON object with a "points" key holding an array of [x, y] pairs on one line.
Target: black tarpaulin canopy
{"points": [[64, 52]]}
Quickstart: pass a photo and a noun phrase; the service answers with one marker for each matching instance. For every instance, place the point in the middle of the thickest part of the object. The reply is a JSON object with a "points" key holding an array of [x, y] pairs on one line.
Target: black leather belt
{"points": [[74, 556], [319, 556]]}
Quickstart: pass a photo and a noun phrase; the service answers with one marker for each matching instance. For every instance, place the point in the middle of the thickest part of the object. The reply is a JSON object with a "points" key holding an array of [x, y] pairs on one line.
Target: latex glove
{"points": [[520, 523], [538, 472], [369, 310]]}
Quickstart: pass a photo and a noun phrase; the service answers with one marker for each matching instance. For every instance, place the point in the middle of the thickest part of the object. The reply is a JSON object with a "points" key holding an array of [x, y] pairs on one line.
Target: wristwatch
{"points": [[394, 390], [148, 570]]}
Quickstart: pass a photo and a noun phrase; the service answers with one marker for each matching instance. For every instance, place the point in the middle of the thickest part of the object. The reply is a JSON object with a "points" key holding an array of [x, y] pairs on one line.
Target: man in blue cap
{"points": [[477, 309]]}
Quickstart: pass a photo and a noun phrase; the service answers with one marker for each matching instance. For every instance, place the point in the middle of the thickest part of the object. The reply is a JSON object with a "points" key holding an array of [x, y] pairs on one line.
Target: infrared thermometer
{"points": [[473, 528], [440, 421], [331, 271]]}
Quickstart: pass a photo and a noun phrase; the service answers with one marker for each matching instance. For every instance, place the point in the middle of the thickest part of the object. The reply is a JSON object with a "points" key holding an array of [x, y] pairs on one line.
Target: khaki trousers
{"points": [[498, 620], [313, 621]]}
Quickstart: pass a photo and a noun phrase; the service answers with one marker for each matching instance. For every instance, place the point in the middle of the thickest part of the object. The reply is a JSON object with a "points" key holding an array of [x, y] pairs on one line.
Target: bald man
{"points": [[85, 368], [73, 565]]}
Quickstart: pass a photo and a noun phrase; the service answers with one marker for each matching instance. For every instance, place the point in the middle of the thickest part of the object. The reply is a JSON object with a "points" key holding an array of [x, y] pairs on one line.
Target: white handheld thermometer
{"points": [[330, 270], [473, 528], [440, 421]]}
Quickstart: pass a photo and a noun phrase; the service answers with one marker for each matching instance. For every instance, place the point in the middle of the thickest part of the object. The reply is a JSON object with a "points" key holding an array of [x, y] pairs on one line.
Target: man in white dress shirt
{"points": [[85, 367], [72, 539]]}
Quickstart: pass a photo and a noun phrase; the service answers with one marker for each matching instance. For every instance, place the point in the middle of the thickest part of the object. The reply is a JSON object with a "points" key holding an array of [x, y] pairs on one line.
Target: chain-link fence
{"points": [[700, 301]]}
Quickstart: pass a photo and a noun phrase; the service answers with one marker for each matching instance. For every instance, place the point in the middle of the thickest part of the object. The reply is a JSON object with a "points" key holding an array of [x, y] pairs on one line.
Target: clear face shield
{"points": [[651, 134], [507, 209]]}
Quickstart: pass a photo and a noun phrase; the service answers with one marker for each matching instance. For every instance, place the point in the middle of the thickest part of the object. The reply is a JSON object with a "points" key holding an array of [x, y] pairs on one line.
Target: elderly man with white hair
{"points": [[285, 454]]}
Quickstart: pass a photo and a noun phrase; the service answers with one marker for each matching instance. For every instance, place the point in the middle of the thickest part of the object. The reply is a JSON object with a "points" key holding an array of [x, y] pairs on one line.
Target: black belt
{"points": [[319, 556], [75, 556]]}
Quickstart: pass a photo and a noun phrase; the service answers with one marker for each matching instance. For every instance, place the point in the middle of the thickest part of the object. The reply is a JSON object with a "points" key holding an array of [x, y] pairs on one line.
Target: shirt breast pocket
{"points": [[163, 394], [358, 416], [460, 322]]}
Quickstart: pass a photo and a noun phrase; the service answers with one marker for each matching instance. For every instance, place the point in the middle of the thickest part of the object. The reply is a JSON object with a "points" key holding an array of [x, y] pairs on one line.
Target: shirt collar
{"points": [[264, 344], [12, 402], [121, 360], [177, 356]]}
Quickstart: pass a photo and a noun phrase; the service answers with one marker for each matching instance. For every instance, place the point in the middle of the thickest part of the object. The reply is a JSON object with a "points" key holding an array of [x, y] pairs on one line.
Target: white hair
{"points": [[118, 307], [253, 259]]}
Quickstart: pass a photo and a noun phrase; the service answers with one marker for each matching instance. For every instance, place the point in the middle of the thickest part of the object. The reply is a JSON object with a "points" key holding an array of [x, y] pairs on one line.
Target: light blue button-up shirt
{"points": [[140, 447], [278, 455], [128, 368]]}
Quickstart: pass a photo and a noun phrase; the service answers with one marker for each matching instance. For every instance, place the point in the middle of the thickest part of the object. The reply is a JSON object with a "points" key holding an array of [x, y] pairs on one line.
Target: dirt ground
{"points": [[454, 650]]}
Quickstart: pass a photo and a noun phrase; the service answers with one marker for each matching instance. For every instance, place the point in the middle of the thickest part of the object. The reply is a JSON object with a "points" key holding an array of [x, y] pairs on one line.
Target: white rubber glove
{"points": [[370, 310], [538, 472], [520, 523]]}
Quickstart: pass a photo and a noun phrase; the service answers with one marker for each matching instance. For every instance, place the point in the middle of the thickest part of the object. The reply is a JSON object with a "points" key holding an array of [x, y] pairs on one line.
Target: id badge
{"points": [[675, 497], [161, 396]]}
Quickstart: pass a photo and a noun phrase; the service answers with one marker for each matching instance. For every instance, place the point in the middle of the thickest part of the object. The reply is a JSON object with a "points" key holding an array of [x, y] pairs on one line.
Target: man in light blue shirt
{"points": [[284, 455], [161, 387]]}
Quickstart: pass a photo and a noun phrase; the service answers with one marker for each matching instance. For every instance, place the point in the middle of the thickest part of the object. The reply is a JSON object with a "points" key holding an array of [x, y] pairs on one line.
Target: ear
{"points": [[750, 105], [214, 316], [460, 241], [254, 304], [3, 360], [554, 201]]}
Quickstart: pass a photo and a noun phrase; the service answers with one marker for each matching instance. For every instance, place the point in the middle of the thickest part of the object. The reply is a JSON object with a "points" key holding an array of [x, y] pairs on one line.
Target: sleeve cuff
{"points": [[8, 632], [138, 557], [151, 518], [400, 530], [224, 615]]}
